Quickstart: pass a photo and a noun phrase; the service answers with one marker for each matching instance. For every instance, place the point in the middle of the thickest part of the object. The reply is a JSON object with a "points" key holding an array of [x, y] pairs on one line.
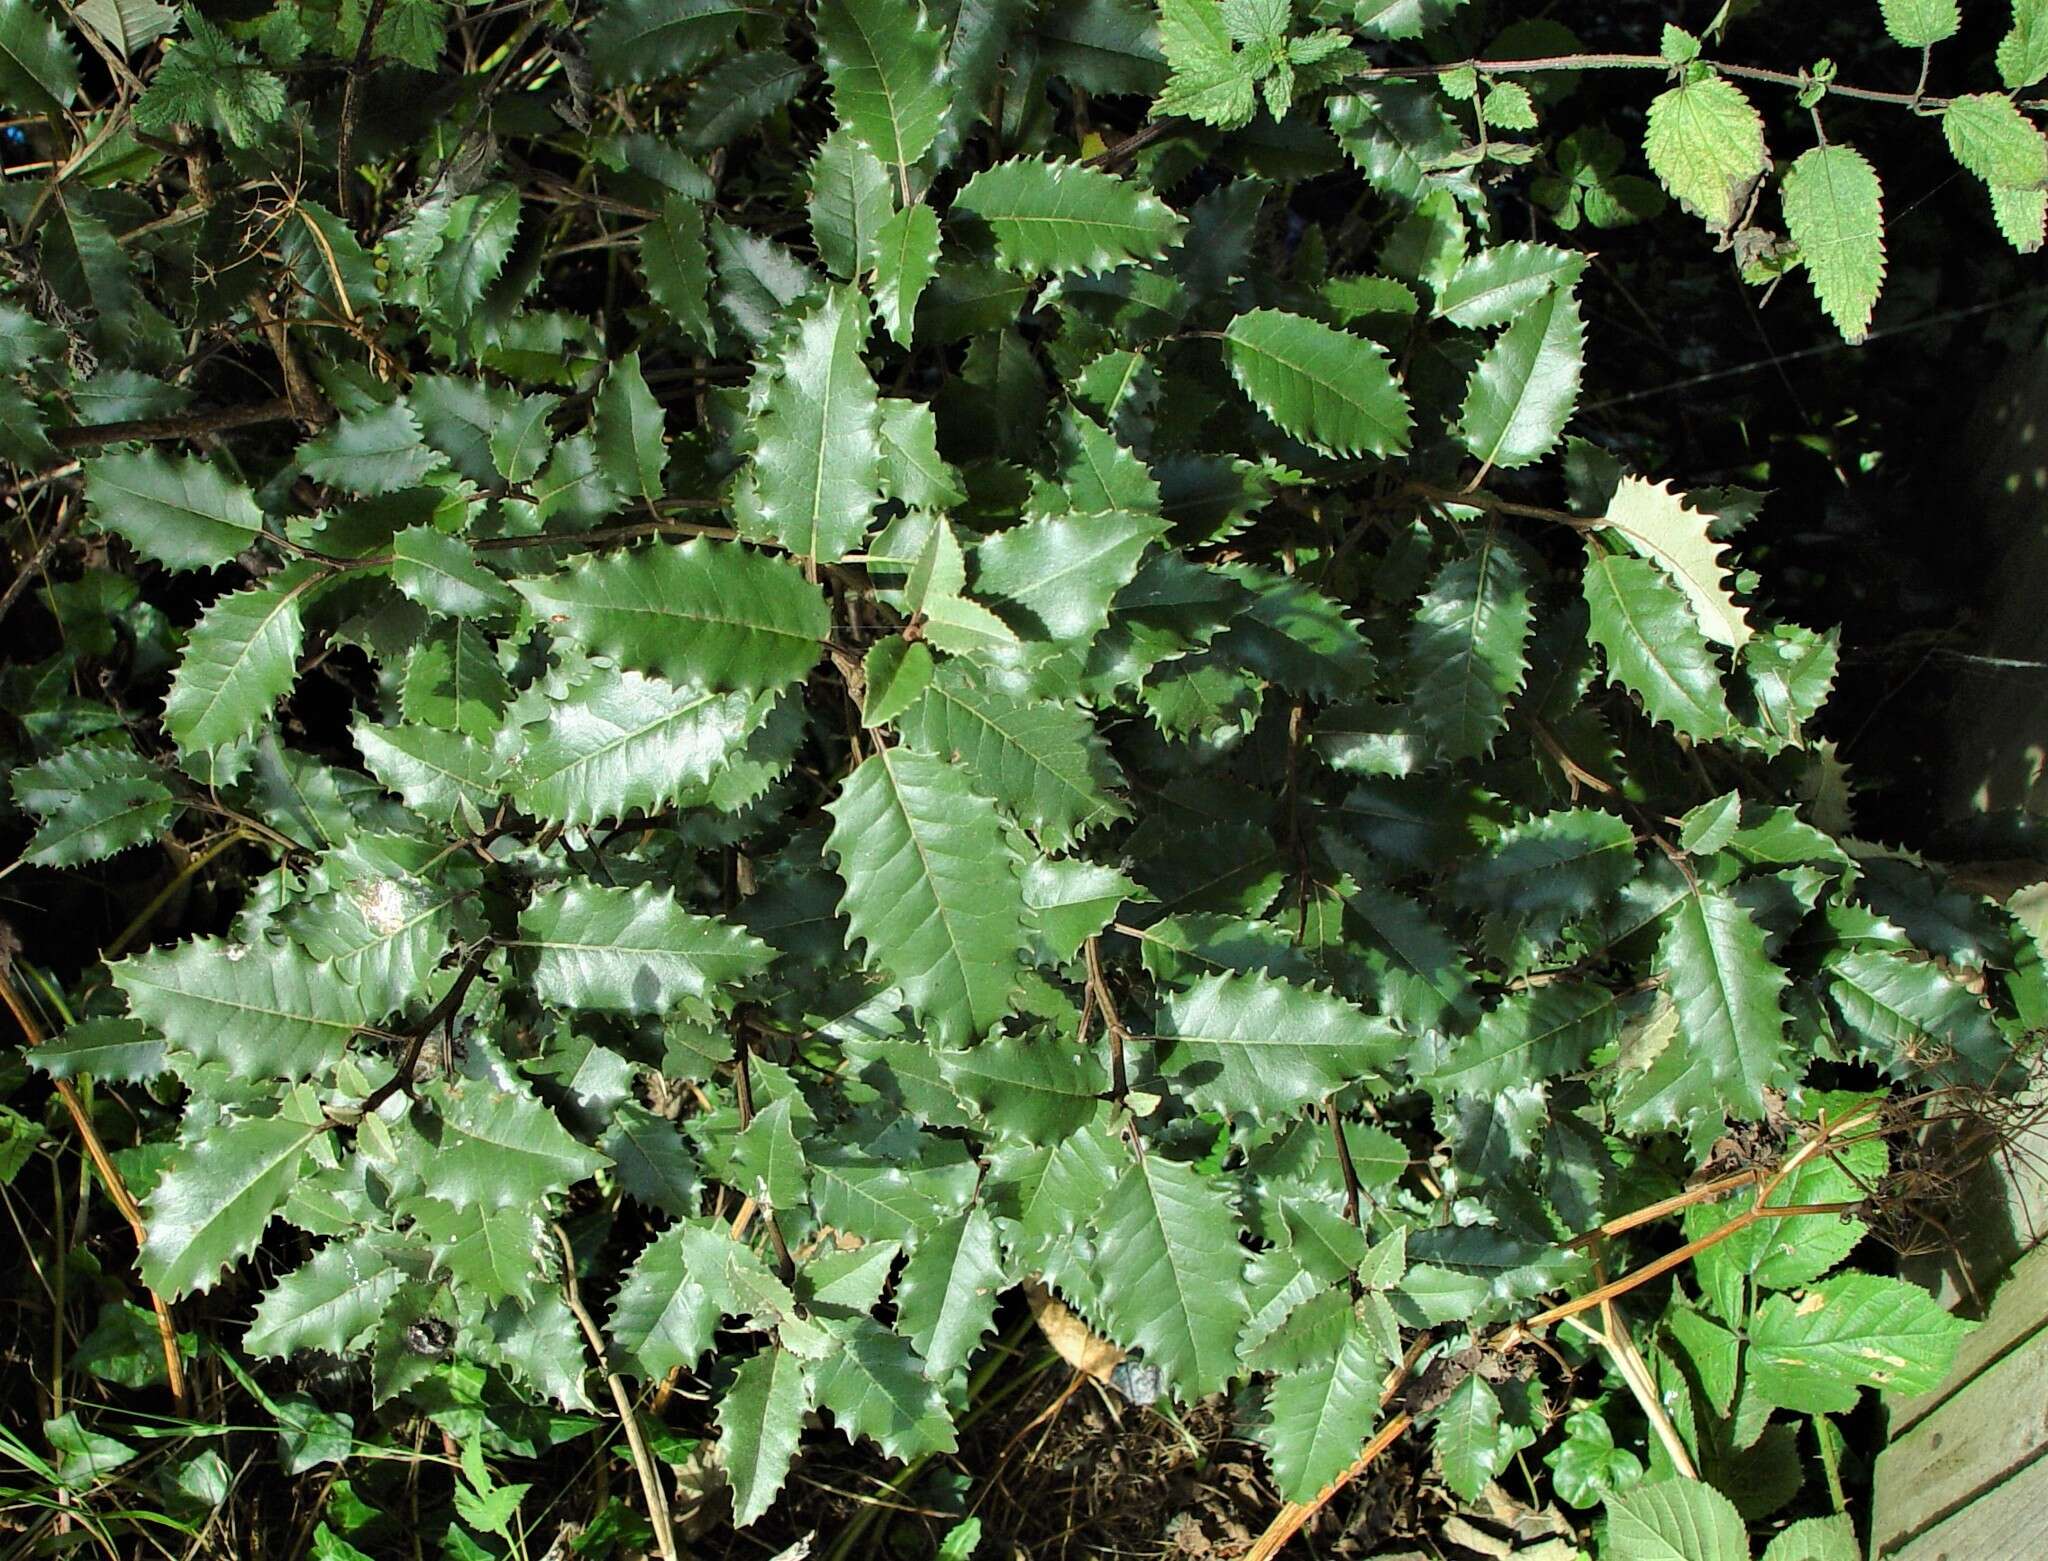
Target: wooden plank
{"points": [[1995, 1424], [2019, 1310], [2005, 1522]]}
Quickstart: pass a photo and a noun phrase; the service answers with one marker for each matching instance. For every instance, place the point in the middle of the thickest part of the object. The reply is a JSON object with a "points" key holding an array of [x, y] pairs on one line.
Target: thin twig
{"points": [[59, 530], [643, 1461], [185, 425], [345, 142]]}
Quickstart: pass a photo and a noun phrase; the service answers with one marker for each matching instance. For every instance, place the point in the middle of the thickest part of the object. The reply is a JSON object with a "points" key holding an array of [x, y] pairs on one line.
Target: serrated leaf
{"points": [[38, 71], [816, 473], [453, 682], [241, 658], [118, 1050], [1251, 1044], [632, 951], [500, 1150], [1527, 1037], [712, 613], [213, 1201], [265, 1011], [1816, 1539], [1208, 81], [1467, 643], [185, 514], [1498, 284], [1653, 645], [1712, 961], [677, 264], [1816, 1352], [1552, 867], [2023, 51], [1170, 1261], [492, 1254], [1295, 635], [329, 1302], [1319, 1417], [906, 260], [946, 1299], [1327, 388], [1705, 141], [441, 573], [1058, 218], [1523, 390], [1674, 1520], [1918, 24], [1910, 1016], [669, 1305], [759, 1419], [873, 1386], [1995, 141], [931, 888], [1472, 1445], [1834, 212], [895, 672], [651, 1160], [889, 85], [632, 449], [114, 806], [1040, 1088], [1042, 761], [767, 1161]]}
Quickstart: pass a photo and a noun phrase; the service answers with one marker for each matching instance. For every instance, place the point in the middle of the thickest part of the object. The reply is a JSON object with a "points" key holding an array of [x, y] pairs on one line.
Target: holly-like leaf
{"points": [[1319, 1417], [213, 1201], [1472, 1443], [712, 613], [678, 266], [499, 1150], [330, 1302], [1497, 285], [873, 1385], [38, 71], [931, 888], [1054, 577], [1170, 1261], [1466, 643], [265, 1010], [1522, 391], [759, 1419], [906, 260], [117, 1050], [441, 573], [1251, 1044], [490, 1253], [241, 659], [185, 514], [816, 476], [1834, 212], [1058, 218], [646, 40], [1326, 387], [946, 1299], [372, 452], [888, 87], [850, 200], [441, 775], [633, 951], [1039, 1088], [1653, 645], [1705, 140]]}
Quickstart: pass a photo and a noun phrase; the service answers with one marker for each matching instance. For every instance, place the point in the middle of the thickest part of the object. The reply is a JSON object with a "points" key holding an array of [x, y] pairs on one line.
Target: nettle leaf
{"points": [[1056, 218], [185, 514], [816, 474], [1467, 645], [265, 1010], [1834, 212], [1171, 1264], [1917, 24], [1705, 140], [213, 1201], [1815, 1352], [1248, 1043], [2023, 51], [1674, 1520], [1327, 388], [1523, 389], [712, 613], [931, 888], [1209, 81], [889, 87], [633, 951]]}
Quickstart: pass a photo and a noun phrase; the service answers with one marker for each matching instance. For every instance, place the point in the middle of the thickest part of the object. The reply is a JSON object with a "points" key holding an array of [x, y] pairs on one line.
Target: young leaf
{"points": [[185, 514], [2023, 51], [1327, 388], [931, 888], [1209, 81], [1834, 212], [1523, 390], [1706, 142], [889, 87], [1058, 218], [712, 613]]}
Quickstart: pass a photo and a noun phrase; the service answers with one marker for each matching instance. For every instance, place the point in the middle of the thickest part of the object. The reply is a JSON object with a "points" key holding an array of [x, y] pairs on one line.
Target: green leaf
{"points": [[264, 1010], [371, 453], [1662, 527], [2023, 51], [38, 71], [632, 449], [872, 1385], [213, 1201], [1209, 80], [1294, 635], [441, 775], [1248, 1043], [1995, 141], [330, 1302], [759, 1420], [1327, 388], [669, 1305], [1467, 643], [677, 264], [1055, 576], [712, 613], [931, 888], [767, 1161], [500, 1151], [883, 60], [1834, 212], [1674, 1520], [906, 260], [946, 1299], [442, 574], [1911, 1017], [895, 672], [1042, 761], [95, 800], [491, 1254], [816, 473], [1472, 1444], [1552, 867], [1041, 1089], [1529, 1036], [185, 514], [632, 951], [622, 743], [1712, 962], [646, 40], [1499, 284], [850, 200], [1706, 142], [1523, 389], [1318, 1418], [1815, 1352], [1653, 645], [117, 1050], [1917, 24], [1057, 218], [651, 1161], [241, 658], [1816, 1539]]}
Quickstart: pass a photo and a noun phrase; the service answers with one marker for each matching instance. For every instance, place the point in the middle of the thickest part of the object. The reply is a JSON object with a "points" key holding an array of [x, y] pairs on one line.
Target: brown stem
{"points": [[643, 1461], [1099, 989], [1571, 62], [402, 1077], [117, 1190], [1351, 1188], [67, 517], [350, 107], [186, 425]]}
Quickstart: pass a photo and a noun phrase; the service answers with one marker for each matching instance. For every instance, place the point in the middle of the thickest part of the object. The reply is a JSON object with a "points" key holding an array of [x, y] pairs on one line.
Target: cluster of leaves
{"points": [[933, 702]]}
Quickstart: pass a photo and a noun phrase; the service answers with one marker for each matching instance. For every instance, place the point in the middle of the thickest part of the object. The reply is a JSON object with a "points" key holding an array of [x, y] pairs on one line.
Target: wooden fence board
{"points": [[2006, 1523]]}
